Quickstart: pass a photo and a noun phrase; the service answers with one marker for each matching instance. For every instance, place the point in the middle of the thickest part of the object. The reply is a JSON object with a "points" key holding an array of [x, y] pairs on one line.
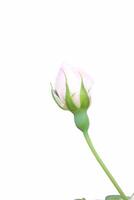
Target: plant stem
{"points": [[90, 144]]}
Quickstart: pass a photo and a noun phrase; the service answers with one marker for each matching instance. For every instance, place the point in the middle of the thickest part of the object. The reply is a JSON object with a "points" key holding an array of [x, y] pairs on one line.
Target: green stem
{"points": [[90, 144]]}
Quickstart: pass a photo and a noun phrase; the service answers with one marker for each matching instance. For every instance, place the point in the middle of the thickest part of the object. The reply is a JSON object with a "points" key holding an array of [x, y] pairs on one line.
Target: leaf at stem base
{"points": [[114, 197]]}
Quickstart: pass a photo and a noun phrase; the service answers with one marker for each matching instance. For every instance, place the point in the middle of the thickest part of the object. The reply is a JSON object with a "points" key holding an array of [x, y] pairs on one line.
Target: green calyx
{"points": [[84, 99], [80, 113]]}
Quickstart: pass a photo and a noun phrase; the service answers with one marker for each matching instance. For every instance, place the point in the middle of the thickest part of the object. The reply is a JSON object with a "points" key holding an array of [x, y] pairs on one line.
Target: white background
{"points": [[42, 155]]}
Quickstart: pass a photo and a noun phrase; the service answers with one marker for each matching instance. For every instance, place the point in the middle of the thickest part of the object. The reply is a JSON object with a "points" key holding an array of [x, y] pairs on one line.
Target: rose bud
{"points": [[72, 92]]}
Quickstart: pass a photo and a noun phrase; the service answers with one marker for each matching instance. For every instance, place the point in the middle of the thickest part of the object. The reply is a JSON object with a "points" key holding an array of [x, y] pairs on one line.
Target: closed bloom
{"points": [[72, 89]]}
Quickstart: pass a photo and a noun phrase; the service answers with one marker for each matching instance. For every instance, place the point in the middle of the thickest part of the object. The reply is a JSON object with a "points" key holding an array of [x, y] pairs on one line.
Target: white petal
{"points": [[132, 197], [60, 84], [88, 81], [73, 79], [76, 99]]}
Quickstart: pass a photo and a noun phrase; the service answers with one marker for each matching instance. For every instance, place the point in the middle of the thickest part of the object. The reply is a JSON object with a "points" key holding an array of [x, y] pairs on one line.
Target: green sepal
{"points": [[69, 101], [81, 120], [84, 97], [57, 99], [114, 197]]}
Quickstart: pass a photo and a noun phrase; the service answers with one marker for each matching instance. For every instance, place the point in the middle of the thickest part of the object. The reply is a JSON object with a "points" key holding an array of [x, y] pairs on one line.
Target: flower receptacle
{"points": [[81, 120]]}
